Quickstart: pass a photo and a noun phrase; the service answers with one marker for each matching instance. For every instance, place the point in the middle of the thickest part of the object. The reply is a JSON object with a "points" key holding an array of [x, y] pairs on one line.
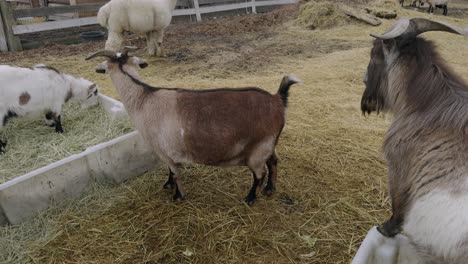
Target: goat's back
{"points": [[215, 127]]}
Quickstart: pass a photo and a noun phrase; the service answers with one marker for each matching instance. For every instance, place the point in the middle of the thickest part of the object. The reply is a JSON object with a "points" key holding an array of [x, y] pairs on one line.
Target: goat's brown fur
{"points": [[222, 127]]}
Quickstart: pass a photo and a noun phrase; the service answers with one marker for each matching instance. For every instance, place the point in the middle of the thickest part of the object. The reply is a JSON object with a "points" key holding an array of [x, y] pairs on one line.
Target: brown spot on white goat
{"points": [[219, 127], [426, 146], [24, 98]]}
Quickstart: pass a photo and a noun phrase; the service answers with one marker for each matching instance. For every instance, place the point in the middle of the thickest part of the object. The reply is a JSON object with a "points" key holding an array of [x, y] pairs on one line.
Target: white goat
{"points": [[437, 3], [41, 90], [150, 17]]}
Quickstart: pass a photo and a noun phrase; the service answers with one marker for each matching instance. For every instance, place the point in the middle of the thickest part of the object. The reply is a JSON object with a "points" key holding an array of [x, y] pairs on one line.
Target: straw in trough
{"points": [[32, 144]]}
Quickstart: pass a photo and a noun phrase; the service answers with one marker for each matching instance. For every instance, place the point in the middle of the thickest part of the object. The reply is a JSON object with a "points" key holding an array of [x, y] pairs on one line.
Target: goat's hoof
{"points": [[268, 191], [59, 130], [178, 197], [389, 229], [249, 200], [168, 186], [2, 146]]}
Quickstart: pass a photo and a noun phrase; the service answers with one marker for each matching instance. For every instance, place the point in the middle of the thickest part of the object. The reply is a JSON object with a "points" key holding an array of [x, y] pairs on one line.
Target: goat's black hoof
{"points": [[178, 198], [249, 200], [59, 130], [2, 146], [389, 229], [168, 186], [268, 191]]}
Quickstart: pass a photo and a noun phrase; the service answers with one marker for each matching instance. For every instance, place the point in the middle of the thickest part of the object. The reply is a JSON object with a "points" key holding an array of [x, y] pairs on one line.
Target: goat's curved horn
{"points": [[103, 53], [126, 49], [397, 29], [413, 27]]}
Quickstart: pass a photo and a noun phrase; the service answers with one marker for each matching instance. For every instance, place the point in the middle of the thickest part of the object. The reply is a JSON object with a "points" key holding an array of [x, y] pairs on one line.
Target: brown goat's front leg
{"points": [[179, 191], [170, 184], [272, 163]]}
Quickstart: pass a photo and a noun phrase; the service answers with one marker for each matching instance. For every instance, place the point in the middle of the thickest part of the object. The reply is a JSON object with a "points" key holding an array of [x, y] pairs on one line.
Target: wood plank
{"points": [[14, 43], [22, 29], [183, 12], [37, 12], [218, 2], [77, 22], [197, 10], [219, 8], [3, 42], [274, 2]]}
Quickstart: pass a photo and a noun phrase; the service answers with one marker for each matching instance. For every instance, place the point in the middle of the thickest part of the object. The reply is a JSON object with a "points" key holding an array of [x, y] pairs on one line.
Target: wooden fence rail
{"points": [[9, 31]]}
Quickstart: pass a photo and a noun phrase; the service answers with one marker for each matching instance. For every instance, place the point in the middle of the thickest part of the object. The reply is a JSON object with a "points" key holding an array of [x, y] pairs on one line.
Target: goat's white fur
{"points": [[150, 17], [378, 249], [436, 2], [47, 90], [439, 220]]}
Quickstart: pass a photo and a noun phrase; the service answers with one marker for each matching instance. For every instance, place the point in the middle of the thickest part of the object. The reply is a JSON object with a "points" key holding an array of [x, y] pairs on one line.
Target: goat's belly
{"points": [[438, 224]]}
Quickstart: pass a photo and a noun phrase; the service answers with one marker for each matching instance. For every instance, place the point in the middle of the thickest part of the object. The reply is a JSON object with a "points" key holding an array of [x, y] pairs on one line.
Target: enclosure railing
{"points": [[9, 29]]}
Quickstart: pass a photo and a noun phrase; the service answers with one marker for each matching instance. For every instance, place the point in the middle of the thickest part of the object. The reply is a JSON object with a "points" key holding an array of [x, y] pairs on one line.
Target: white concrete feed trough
{"points": [[114, 161]]}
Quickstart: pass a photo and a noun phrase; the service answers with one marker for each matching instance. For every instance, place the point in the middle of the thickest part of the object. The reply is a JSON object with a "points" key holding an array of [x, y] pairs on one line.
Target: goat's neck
{"points": [[130, 93]]}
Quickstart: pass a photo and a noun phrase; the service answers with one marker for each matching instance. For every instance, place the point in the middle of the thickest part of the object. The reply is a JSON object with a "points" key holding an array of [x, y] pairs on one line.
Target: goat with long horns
{"points": [[426, 148]]}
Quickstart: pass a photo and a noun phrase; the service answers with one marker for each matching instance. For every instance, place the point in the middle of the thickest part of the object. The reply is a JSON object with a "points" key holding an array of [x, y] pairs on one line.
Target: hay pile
{"points": [[31, 144], [321, 15]]}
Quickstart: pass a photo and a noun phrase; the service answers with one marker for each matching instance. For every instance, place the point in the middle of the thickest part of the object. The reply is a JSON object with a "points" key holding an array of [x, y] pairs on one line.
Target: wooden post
{"points": [[197, 10], [254, 9], [14, 43], [3, 43]]}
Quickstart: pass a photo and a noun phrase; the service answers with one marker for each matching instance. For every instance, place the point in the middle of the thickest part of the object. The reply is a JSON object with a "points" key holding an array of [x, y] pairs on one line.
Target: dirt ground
{"points": [[332, 178]]}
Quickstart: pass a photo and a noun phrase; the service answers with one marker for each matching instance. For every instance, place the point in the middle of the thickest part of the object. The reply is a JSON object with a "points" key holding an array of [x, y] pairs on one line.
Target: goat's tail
{"points": [[283, 90], [103, 15]]}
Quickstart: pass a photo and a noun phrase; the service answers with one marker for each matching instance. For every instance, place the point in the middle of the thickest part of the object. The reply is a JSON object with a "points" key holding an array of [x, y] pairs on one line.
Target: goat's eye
{"points": [[96, 92]]}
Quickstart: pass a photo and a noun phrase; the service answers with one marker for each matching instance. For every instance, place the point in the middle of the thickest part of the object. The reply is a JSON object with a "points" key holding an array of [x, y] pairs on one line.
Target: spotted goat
{"points": [[218, 127], [426, 148], [41, 91]]}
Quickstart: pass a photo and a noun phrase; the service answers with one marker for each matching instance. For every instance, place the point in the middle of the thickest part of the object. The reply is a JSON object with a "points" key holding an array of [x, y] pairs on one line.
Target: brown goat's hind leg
{"points": [[272, 163], [170, 184], [257, 183]]}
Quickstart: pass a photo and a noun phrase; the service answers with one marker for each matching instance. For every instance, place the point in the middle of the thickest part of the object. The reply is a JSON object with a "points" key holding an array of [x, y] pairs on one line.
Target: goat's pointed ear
{"points": [[143, 64], [92, 90]]}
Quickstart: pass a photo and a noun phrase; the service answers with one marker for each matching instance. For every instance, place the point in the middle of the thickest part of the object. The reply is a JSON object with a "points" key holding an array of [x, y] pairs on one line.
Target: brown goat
{"points": [[220, 127], [426, 146]]}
